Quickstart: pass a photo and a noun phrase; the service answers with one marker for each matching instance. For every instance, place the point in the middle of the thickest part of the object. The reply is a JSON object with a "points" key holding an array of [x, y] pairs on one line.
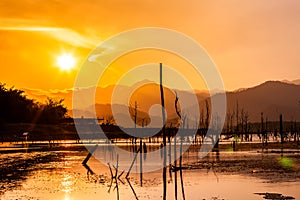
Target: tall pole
{"points": [[141, 162], [281, 133], [262, 131], [281, 129], [237, 117], [266, 131], [164, 134]]}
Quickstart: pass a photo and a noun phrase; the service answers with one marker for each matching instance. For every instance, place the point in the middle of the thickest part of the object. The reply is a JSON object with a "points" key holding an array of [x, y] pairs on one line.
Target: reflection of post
{"points": [[218, 154], [217, 150], [234, 144], [89, 171], [135, 156], [115, 177], [118, 195], [132, 188], [26, 140], [164, 134]]}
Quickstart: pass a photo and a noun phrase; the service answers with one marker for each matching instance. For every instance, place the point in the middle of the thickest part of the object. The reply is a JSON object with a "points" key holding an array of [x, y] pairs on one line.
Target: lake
{"points": [[57, 173]]}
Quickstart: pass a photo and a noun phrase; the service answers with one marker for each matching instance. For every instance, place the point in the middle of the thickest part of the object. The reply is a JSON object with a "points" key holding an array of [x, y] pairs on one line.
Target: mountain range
{"points": [[271, 98]]}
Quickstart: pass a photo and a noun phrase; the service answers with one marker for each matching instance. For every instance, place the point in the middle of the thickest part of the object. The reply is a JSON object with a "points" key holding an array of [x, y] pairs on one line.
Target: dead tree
{"points": [[237, 117], [207, 114], [133, 112], [242, 124]]}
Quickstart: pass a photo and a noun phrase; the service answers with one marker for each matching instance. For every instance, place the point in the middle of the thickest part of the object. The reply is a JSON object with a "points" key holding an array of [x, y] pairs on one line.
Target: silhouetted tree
{"points": [[109, 120], [15, 107], [52, 112]]}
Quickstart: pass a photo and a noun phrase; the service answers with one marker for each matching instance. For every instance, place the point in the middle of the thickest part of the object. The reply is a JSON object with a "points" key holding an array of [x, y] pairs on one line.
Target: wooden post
{"points": [[175, 167], [164, 134], [170, 156], [281, 133], [280, 129], [89, 155], [262, 131], [266, 142], [180, 170], [141, 162]]}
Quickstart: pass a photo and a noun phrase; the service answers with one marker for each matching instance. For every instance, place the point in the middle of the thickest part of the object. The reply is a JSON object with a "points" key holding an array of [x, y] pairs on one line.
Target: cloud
{"points": [[66, 35]]}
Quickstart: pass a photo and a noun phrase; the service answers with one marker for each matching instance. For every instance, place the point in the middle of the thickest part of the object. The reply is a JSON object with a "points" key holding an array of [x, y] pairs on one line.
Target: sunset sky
{"points": [[250, 41]]}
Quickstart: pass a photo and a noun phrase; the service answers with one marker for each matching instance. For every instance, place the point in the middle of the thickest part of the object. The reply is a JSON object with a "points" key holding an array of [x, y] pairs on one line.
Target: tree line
{"points": [[16, 107]]}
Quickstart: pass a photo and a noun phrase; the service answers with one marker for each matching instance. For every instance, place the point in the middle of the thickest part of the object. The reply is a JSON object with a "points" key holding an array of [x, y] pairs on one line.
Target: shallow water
{"points": [[65, 178]]}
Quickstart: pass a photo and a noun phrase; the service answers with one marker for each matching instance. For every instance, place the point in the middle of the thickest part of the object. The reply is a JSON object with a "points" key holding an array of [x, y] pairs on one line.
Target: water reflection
{"points": [[215, 162], [114, 180], [65, 178], [67, 197], [115, 174]]}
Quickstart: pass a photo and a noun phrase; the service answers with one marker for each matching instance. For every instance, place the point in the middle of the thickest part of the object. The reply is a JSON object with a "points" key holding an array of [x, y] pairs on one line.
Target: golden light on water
{"points": [[67, 184]]}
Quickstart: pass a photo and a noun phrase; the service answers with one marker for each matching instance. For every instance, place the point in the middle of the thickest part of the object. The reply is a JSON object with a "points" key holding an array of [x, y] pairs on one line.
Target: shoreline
{"points": [[272, 147]]}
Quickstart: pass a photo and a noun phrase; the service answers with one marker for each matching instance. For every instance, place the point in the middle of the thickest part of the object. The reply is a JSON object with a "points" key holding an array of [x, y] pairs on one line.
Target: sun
{"points": [[66, 62]]}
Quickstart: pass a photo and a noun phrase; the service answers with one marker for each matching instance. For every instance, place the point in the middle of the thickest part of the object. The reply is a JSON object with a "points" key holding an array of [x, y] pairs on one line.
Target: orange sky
{"points": [[250, 41]]}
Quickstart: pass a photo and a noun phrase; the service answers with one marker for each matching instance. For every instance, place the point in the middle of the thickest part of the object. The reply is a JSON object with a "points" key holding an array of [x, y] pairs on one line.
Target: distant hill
{"points": [[271, 98], [296, 82]]}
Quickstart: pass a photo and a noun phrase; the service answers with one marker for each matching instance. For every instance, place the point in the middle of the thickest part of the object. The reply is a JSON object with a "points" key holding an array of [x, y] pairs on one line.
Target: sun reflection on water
{"points": [[67, 197], [67, 184]]}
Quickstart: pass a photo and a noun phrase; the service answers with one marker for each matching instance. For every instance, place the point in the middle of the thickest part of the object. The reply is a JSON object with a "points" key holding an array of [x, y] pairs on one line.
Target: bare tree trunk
{"points": [[207, 114]]}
